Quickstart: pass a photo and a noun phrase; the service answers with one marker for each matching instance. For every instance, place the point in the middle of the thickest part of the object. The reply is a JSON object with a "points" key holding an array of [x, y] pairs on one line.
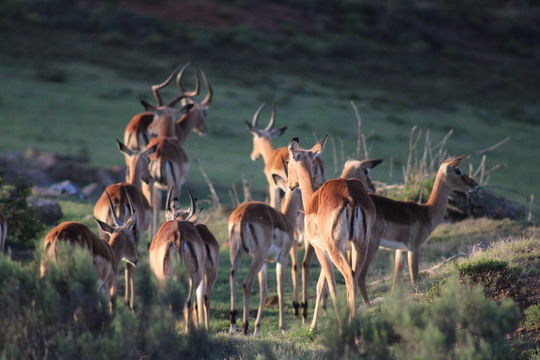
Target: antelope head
{"points": [[301, 160], [136, 163], [454, 177], [361, 170], [195, 116], [262, 136], [174, 212], [123, 236]]}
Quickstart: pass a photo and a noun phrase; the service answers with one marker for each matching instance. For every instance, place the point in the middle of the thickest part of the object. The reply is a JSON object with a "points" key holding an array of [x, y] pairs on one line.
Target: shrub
{"points": [[532, 317], [459, 324], [494, 276], [24, 225]]}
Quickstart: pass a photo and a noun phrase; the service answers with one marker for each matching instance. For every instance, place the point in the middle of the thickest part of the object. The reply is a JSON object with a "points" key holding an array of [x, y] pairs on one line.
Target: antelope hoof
{"points": [[232, 329], [304, 312], [284, 330], [296, 307]]}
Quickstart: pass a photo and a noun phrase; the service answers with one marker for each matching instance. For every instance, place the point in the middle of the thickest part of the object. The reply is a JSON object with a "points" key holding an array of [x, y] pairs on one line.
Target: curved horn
{"points": [[130, 203], [256, 115], [156, 88], [169, 197], [272, 119], [116, 220], [193, 205], [181, 87], [175, 100], [197, 216], [209, 92]]}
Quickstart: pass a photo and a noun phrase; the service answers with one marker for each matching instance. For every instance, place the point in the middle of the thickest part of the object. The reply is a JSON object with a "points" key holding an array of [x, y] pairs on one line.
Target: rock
{"points": [[93, 191], [65, 187], [48, 211], [485, 203]]}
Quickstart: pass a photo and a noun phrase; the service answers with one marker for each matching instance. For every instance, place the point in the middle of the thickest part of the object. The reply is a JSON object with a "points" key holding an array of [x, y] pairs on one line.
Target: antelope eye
{"points": [[366, 172], [458, 172]]}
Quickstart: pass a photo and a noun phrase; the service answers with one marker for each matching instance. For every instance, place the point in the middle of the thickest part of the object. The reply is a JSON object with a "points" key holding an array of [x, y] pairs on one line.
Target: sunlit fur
{"points": [[264, 233]]}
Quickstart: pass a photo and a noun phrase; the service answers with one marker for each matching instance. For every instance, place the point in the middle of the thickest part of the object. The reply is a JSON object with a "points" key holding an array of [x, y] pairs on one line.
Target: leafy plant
{"points": [[494, 276]]}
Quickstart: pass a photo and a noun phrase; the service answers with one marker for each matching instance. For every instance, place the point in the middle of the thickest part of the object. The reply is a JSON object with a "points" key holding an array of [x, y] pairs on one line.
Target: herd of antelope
{"points": [[342, 221]]}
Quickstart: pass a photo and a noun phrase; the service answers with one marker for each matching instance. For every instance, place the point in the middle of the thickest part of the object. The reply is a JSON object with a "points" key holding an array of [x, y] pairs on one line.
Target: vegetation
{"points": [[24, 225], [493, 275]]}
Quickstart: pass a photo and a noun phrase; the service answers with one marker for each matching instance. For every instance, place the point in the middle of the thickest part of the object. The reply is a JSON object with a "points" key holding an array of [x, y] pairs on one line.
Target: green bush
{"points": [[23, 224], [493, 275], [63, 316], [532, 317], [459, 324]]}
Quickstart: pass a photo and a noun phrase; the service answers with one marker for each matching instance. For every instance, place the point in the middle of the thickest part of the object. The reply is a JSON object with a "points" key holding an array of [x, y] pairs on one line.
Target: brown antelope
{"points": [[3, 231], [405, 226], [121, 194], [338, 216], [266, 235], [107, 255], [204, 291], [180, 240], [273, 158]]}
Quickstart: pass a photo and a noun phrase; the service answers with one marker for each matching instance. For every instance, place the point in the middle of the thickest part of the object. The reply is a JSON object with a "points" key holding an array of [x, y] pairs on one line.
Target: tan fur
{"points": [[178, 239], [136, 135], [333, 216], [265, 234], [107, 255]]}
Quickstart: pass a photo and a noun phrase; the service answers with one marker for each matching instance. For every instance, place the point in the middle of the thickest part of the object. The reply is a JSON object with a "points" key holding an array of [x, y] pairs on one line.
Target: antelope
{"points": [[3, 231], [405, 226], [180, 240], [337, 217], [121, 194], [204, 291], [121, 245], [266, 235]]}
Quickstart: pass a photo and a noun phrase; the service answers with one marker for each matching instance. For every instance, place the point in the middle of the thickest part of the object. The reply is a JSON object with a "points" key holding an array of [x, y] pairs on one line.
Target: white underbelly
{"points": [[392, 245]]}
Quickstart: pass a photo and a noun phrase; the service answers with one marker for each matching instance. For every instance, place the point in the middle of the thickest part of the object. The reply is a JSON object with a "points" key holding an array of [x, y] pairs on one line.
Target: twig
{"points": [[213, 193], [334, 155], [359, 136], [245, 189], [493, 147]]}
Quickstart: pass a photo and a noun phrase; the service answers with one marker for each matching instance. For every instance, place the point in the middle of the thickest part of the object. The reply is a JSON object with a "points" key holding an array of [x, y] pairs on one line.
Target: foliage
{"points": [[459, 324], [23, 223], [63, 315], [493, 275], [532, 317]]}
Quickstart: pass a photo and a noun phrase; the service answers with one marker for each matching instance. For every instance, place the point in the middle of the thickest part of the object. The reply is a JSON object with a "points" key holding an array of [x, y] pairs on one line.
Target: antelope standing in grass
{"points": [[338, 216], [275, 160], [266, 235], [107, 255], [3, 231], [180, 240], [121, 194], [204, 291]]}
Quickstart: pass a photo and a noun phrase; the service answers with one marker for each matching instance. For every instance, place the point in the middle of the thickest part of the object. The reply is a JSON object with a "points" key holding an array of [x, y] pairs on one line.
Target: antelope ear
{"points": [[318, 148], [106, 228], [454, 161], [147, 106], [277, 132], [280, 182], [123, 148], [372, 163], [294, 148]]}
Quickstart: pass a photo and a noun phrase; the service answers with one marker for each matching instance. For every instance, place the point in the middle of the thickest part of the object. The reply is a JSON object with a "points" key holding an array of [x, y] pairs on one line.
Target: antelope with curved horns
{"points": [[262, 146], [180, 240], [267, 236], [107, 254], [204, 291], [195, 117], [338, 216], [3, 231], [124, 192]]}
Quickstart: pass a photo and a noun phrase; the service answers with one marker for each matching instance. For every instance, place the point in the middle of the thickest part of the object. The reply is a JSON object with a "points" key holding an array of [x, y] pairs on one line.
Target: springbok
{"points": [[120, 194], [338, 217], [3, 231], [180, 240], [107, 255], [204, 291]]}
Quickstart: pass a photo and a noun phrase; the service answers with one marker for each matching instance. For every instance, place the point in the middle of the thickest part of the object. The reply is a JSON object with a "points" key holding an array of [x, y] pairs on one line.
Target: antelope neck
{"points": [[305, 181], [290, 207], [438, 200], [266, 148]]}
